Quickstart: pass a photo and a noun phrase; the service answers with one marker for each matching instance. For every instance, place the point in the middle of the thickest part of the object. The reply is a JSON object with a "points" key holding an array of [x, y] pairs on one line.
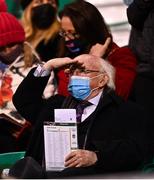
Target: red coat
{"points": [[125, 63]]}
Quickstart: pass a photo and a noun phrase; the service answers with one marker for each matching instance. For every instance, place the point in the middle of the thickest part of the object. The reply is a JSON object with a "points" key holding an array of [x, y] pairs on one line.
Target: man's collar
{"points": [[96, 99]]}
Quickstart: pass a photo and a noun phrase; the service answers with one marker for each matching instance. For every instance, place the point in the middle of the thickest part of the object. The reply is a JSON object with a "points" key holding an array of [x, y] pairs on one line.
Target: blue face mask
{"points": [[79, 87]]}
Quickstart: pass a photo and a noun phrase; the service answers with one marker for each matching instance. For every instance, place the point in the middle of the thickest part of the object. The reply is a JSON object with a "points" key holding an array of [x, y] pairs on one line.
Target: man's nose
{"points": [[46, 1], [76, 72], [66, 38]]}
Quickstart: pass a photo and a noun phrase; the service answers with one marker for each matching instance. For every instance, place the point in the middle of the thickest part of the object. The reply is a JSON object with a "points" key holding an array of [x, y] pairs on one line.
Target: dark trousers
{"points": [[79, 172], [143, 94], [28, 168]]}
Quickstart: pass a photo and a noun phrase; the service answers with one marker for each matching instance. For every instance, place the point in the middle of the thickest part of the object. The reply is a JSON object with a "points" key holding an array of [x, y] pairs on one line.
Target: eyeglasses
{"points": [[72, 70], [69, 35]]}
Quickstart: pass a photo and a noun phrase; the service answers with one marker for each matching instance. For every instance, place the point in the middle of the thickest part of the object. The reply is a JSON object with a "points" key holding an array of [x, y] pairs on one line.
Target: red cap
{"points": [[11, 31]]}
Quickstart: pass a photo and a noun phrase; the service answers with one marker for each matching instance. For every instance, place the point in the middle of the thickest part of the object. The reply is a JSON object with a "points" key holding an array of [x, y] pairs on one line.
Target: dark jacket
{"points": [[138, 11], [116, 130], [141, 16]]}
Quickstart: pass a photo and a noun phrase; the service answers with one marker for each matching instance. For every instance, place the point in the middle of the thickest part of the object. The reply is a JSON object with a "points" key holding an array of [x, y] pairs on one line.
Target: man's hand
{"points": [[100, 49], [58, 62], [80, 158]]}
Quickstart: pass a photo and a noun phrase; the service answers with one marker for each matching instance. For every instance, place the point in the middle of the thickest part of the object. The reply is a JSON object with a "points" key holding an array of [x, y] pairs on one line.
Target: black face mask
{"points": [[43, 16], [75, 47], [9, 58]]}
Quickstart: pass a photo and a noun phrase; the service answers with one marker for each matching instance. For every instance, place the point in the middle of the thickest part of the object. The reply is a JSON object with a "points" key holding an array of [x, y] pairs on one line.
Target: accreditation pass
{"points": [[60, 138]]}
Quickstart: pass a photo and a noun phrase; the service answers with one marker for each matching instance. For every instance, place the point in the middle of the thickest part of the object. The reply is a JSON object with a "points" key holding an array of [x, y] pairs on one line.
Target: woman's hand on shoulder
{"points": [[100, 49]]}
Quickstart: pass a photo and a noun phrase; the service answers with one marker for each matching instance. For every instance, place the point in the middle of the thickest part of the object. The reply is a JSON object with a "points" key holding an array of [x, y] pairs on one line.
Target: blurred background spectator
{"points": [[17, 57], [114, 12], [41, 26]]}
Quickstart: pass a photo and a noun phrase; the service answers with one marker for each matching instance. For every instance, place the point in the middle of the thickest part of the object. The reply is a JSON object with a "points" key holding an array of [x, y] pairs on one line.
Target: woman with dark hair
{"points": [[89, 25], [84, 31]]}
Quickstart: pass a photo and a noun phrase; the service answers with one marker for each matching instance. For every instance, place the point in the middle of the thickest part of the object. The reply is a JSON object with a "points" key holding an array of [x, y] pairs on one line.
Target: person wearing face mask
{"points": [[17, 57], [79, 87], [41, 26], [111, 132], [83, 30]]}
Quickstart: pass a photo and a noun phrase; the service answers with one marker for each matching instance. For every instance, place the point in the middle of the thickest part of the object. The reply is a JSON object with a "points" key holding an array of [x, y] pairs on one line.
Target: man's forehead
{"points": [[88, 60]]}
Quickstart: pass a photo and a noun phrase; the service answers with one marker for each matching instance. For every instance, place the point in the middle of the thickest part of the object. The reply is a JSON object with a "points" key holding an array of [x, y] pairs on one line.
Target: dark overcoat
{"points": [[116, 130]]}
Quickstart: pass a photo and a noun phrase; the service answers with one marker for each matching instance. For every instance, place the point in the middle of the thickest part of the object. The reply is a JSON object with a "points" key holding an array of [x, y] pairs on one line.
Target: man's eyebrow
{"points": [[74, 66]]}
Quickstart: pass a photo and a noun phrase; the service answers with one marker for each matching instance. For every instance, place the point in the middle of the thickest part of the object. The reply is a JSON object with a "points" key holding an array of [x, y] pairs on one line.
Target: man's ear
{"points": [[103, 80]]}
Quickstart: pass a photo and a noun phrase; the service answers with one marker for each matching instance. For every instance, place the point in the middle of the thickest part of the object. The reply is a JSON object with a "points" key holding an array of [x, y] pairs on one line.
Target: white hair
{"points": [[102, 65], [110, 71]]}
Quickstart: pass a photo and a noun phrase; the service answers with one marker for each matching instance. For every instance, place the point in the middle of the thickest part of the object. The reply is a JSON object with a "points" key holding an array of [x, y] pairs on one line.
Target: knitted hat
{"points": [[11, 30], [25, 3], [3, 6]]}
